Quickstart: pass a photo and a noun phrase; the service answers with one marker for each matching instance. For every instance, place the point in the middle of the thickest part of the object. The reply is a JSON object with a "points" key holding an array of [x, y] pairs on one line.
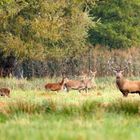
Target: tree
{"points": [[40, 29], [119, 23]]}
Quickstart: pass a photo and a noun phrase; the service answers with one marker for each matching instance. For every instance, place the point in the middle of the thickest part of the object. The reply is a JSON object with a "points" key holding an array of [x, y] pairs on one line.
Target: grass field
{"points": [[35, 114]]}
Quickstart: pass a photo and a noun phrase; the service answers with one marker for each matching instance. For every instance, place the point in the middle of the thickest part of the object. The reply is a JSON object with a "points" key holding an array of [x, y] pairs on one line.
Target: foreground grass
{"points": [[52, 126], [33, 113]]}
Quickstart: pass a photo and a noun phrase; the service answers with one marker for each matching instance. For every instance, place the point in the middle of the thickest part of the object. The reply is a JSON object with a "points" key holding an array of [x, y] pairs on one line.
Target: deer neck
{"points": [[120, 82], [62, 82]]}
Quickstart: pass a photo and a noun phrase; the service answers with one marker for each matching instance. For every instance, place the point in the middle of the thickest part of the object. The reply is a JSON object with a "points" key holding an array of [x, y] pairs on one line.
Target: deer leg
{"points": [[67, 89], [86, 89], [125, 94], [80, 90], [8, 96]]}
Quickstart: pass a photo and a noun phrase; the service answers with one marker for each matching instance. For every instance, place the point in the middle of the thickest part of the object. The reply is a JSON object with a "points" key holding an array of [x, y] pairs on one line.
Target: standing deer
{"points": [[56, 86], [84, 84], [5, 92], [90, 81], [126, 86], [75, 85]]}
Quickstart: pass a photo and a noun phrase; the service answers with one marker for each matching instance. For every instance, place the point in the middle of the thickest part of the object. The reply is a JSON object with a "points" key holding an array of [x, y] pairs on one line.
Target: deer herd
{"points": [[87, 82]]}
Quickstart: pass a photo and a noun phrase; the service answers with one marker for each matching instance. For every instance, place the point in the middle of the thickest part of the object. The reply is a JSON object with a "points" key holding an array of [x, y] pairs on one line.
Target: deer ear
{"points": [[122, 71], [91, 71], [95, 72], [83, 73], [115, 71]]}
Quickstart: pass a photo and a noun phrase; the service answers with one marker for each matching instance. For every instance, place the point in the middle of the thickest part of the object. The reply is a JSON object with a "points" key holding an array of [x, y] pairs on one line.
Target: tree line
{"points": [[45, 35]]}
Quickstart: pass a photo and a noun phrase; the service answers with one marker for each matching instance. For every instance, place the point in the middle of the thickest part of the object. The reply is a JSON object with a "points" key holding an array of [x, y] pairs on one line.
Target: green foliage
{"points": [[63, 25], [3, 2], [119, 23], [57, 127], [40, 29], [122, 106]]}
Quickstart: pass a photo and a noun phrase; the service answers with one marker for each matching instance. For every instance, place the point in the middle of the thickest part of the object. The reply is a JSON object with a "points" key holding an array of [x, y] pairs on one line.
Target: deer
{"points": [[126, 86], [5, 92], [56, 86], [75, 85], [83, 84], [90, 81]]}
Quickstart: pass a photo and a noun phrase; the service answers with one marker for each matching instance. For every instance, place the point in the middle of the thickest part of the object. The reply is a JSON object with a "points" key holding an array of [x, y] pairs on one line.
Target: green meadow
{"points": [[35, 114]]}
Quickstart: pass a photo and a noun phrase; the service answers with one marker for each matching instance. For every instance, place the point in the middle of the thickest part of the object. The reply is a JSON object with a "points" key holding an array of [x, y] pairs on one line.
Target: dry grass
{"points": [[103, 113], [128, 58]]}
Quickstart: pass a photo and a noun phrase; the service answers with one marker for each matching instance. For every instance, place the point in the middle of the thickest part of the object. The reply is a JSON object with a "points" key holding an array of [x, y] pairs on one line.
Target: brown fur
{"points": [[89, 84], [75, 84], [89, 81], [5, 92], [84, 84], [55, 86], [126, 86]]}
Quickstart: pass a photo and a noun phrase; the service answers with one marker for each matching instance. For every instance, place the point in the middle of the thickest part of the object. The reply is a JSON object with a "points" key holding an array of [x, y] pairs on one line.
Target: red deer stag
{"points": [[56, 86], [5, 92], [126, 86]]}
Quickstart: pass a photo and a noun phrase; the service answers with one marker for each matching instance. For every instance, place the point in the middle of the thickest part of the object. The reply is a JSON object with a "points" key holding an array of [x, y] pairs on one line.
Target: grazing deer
{"points": [[126, 86], [56, 86], [5, 92]]}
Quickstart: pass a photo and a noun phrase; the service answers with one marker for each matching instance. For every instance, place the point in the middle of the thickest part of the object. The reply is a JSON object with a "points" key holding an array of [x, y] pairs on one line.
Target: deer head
{"points": [[119, 73], [93, 73]]}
